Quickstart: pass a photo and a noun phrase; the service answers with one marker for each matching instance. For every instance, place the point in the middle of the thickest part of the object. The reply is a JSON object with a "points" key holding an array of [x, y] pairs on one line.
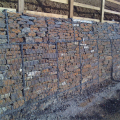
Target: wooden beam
{"points": [[86, 6], [59, 16], [55, 15], [112, 12], [71, 8], [46, 14], [102, 10], [113, 1], [111, 21], [60, 1], [86, 19], [20, 6]]}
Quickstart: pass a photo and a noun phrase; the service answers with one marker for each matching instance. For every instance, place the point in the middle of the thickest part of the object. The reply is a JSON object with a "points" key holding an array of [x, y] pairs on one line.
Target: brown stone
{"points": [[108, 57], [34, 29], [9, 82], [16, 31], [1, 101], [87, 66], [12, 35], [2, 33], [32, 34], [38, 39]]}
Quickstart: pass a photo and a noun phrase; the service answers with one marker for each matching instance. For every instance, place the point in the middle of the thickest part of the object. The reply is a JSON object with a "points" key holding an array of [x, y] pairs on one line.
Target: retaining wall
{"points": [[49, 56]]}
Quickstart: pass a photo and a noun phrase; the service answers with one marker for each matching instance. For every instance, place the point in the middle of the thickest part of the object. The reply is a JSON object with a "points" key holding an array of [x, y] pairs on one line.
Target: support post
{"points": [[20, 6], [102, 10], [71, 8]]}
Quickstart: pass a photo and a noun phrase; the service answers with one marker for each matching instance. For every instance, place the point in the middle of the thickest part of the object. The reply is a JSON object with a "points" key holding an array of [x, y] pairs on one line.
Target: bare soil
{"points": [[58, 8]]}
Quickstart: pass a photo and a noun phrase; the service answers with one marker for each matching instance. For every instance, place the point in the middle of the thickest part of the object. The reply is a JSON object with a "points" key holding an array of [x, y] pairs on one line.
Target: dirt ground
{"points": [[57, 8], [103, 105]]}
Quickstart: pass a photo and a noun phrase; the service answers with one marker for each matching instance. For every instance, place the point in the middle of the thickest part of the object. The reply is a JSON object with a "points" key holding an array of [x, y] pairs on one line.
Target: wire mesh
{"points": [[41, 71], [32, 73]]}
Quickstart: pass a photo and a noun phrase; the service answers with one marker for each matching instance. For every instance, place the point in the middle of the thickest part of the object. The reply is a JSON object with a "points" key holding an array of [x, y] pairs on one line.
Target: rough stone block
{"points": [[26, 30], [32, 34], [49, 55], [3, 41], [33, 51], [16, 31], [2, 23], [31, 63], [29, 40]]}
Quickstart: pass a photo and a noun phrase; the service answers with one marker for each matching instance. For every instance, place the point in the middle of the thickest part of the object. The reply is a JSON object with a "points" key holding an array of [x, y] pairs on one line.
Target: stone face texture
{"points": [[87, 61]]}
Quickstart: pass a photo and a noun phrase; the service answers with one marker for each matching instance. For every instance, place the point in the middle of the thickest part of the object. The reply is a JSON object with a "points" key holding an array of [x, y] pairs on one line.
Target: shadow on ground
{"points": [[111, 106], [110, 109]]}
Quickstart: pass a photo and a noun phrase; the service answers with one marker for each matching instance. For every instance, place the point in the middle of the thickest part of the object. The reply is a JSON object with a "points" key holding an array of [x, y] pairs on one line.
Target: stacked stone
{"points": [[83, 30], [40, 70], [3, 37], [60, 30], [90, 63], [116, 59], [69, 65], [105, 60], [11, 88], [48, 67], [106, 31], [23, 28]]}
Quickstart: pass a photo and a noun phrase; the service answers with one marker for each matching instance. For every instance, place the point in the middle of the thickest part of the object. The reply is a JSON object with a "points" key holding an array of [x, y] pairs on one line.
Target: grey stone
{"points": [[3, 62], [3, 41], [30, 23], [29, 40], [57, 26], [25, 30], [27, 17], [20, 35], [32, 51], [2, 23], [1, 83], [3, 109], [43, 65], [96, 54], [58, 23], [31, 63], [24, 17], [6, 47], [3, 36], [32, 18], [3, 67], [71, 52], [42, 29], [49, 55], [14, 96], [21, 22], [5, 95], [94, 64], [44, 79]]}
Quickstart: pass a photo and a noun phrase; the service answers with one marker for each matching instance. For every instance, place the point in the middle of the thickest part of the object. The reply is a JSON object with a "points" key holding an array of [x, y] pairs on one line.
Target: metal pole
{"points": [[80, 67], [98, 61], [57, 71], [6, 21], [23, 73]]}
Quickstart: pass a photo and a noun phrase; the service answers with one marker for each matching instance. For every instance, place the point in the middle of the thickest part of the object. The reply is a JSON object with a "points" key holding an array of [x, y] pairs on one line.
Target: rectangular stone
{"points": [[49, 55], [31, 63], [29, 40], [2, 23], [33, 51]]}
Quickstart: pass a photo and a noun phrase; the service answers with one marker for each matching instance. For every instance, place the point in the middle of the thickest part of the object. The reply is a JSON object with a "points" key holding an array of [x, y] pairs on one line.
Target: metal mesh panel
{"points": [[11, 86], [35, 72]]}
